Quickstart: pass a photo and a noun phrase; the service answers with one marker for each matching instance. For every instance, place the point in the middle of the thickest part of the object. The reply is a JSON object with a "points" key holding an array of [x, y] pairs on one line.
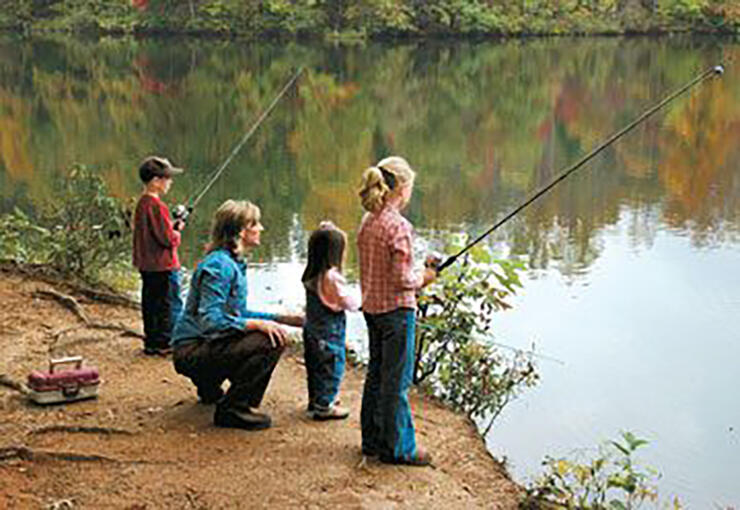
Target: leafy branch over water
{"points": [[456, 358], [612, 480]]}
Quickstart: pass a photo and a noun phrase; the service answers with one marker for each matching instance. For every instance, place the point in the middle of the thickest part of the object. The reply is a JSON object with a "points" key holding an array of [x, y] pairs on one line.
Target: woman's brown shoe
{"points": [[230, 417]]}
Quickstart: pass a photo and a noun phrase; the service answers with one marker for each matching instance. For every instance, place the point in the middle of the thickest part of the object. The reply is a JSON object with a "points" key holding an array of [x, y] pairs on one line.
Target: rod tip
{"points": [[719, 70]]}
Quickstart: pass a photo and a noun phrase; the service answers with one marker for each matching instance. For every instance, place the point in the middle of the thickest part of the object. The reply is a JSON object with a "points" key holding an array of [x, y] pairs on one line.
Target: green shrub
{"points": [[613, 480], [456, 357], [684, 9], [82, 233]]}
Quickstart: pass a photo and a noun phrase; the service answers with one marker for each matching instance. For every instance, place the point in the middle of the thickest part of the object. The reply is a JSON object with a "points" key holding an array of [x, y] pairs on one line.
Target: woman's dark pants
{"points": [[247, 360]]}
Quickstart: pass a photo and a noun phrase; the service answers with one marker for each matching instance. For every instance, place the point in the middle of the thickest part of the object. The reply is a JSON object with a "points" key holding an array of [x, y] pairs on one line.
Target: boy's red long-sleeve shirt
{"points": [[155, 239]]}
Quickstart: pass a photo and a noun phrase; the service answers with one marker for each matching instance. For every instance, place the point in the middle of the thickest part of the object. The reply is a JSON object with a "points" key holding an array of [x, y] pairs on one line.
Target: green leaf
{"points": [[620, 447]]}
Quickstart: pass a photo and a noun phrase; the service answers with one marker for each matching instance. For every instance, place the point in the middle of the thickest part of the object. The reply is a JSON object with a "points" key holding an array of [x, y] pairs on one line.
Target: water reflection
{"points": [[646, 344], [484, 125]]}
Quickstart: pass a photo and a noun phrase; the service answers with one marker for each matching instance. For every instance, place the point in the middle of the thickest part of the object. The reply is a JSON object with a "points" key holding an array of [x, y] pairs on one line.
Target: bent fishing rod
{"points": [[182, 211], [714, 71]]}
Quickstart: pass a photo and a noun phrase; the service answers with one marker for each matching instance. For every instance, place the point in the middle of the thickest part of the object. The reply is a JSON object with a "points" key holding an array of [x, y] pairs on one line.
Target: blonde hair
{"points": [[383, 181], [228, 221]]}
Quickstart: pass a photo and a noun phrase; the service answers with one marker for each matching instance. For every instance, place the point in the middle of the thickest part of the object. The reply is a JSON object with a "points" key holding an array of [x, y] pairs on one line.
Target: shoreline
{"points": [[171, 456], [318, 37]]}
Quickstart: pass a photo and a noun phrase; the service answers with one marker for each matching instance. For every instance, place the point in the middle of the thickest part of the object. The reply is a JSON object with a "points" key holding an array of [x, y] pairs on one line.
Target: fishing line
{"points": [[714, 71], [526, 352], [183, 211]]}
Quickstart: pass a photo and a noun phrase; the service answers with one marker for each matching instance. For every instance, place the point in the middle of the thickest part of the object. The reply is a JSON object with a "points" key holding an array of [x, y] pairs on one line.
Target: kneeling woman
{"points": [[217, 337]]}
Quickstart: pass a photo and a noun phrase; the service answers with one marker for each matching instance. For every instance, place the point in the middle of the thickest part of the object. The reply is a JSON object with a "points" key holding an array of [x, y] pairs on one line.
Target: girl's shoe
{"points": [[334, 412], [311, 408]]}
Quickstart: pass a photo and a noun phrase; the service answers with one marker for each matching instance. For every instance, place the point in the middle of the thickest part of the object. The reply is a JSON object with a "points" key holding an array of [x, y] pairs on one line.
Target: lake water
{"points": [[633, 277]]}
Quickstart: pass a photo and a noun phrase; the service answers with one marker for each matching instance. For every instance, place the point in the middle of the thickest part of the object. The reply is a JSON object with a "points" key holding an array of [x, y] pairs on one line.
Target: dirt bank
{"points": [[153, 445]]}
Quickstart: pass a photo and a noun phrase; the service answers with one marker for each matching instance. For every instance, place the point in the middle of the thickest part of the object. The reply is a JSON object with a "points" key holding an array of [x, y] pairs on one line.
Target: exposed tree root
{"points": [[47, 274], [26, 453], [23, 452], [108, 298], [72, 305], [66, 301], [92, 325], [80, 429], [8, 382]]}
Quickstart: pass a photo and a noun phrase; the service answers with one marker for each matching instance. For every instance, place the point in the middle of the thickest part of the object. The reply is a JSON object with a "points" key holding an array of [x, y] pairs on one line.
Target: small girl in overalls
{"points": [[324, 330]]}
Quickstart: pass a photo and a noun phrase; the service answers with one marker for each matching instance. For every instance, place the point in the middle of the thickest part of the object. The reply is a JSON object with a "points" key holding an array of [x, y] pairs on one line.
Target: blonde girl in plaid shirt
{"points": [[389, 285]]}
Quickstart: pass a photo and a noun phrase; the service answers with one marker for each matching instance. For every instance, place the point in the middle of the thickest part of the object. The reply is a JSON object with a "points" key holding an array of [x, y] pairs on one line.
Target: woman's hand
{"points": [[295, 320], [275, 333]]}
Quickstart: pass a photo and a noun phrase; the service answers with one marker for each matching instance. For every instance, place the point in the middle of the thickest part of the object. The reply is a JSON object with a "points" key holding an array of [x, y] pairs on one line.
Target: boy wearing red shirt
{"points": [[156, 238]]}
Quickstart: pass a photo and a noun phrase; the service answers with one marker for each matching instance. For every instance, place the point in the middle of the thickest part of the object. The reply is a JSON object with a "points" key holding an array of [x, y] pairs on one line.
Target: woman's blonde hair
{"points": [[228, 221], [384, 180]]}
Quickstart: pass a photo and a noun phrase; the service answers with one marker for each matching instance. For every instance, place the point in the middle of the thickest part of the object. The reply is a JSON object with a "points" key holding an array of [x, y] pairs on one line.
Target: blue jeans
{"points": [[387, 425], [325, 362], [161, 305], [175, 297]]}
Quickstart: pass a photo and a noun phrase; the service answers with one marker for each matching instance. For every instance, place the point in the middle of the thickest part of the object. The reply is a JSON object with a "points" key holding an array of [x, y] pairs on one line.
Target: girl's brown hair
{"points": [[325, 250], [228, 221]]}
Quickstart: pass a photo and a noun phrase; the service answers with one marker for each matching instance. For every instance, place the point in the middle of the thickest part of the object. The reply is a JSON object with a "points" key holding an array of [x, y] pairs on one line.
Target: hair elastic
{"points": [[388, 177]]}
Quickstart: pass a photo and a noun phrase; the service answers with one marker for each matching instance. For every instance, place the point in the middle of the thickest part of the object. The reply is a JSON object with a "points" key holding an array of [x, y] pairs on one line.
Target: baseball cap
{"points": [[156, 166]]}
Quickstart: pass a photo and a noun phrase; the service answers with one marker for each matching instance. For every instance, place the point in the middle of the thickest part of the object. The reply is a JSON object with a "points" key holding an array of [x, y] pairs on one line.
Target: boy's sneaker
{"points": [[334, 412]]}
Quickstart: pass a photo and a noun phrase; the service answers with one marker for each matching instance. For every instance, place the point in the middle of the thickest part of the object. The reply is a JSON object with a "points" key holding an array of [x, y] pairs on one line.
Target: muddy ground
{"points": [[146, 443]]}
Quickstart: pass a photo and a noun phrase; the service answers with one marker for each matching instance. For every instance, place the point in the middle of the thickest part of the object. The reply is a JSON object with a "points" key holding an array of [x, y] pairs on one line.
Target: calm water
{"points": [[633, 281]]}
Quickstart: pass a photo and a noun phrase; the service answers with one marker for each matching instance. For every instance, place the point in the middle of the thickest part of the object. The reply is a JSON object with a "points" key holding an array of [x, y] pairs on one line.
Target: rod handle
{"points": [[444, 265]]}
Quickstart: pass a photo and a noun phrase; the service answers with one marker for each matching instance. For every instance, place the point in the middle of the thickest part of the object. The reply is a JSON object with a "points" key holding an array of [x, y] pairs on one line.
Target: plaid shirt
{"points": [[387, 278]]}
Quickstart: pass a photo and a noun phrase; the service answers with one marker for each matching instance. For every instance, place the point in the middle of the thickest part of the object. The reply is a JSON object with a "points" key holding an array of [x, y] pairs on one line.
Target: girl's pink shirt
{"points": [[335, 293]]}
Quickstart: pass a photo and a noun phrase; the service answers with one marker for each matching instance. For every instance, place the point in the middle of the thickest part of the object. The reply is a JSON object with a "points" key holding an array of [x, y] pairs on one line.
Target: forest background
{"points": [[372, 18]]}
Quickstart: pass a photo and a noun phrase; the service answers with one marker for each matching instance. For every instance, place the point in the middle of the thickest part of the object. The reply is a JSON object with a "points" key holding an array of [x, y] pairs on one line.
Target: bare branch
{"points": [[84, 429]]}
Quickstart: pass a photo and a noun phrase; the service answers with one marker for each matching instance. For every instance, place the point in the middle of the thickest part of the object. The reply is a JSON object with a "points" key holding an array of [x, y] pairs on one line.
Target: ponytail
{"points": [[387, 177], [374, 190]]}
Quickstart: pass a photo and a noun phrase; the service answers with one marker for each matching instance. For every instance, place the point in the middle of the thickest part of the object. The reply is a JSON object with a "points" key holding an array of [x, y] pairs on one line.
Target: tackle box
{"points": [[58, 386]]}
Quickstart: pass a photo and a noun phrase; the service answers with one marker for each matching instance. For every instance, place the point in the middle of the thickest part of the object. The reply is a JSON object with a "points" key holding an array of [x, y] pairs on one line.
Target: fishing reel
{"points": [[181, 212], [433, 261]]}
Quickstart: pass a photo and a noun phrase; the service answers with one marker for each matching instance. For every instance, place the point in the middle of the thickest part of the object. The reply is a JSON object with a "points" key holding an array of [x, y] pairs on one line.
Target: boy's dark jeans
{"points": [[161, 304], [245, 359]]}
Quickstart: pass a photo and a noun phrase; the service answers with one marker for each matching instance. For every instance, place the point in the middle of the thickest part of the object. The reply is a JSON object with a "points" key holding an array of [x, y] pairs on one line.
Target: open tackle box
{"points": [[59, 386]]}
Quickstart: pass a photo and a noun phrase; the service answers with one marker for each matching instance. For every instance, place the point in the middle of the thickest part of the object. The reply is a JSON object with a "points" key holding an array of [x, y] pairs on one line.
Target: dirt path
{"points": [[161, 450]]}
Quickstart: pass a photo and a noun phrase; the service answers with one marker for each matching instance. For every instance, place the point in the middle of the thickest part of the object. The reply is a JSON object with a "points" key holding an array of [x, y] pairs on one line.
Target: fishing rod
{"points": [[714, 71], [181, 212]]}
